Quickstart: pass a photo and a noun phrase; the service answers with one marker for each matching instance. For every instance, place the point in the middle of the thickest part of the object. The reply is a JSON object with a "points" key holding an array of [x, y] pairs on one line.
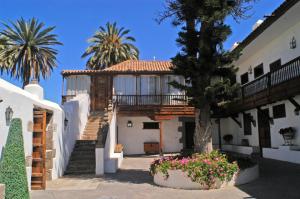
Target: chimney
{"points": [[35, 89], [234, 45], [257, 24]]}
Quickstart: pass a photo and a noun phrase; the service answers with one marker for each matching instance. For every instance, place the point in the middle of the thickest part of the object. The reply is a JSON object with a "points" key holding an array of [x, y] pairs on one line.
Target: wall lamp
{"points": [[293, 43], [8, 115], [129, 124]]}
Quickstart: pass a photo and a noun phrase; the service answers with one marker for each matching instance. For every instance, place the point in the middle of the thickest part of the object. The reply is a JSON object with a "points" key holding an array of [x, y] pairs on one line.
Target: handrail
{"points": [[286, 72], [143, 100]]}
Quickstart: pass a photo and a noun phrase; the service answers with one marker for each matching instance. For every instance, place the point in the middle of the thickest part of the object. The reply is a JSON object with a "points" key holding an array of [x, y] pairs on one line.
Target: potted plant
{"points": [[288, 135], [228, 138]]}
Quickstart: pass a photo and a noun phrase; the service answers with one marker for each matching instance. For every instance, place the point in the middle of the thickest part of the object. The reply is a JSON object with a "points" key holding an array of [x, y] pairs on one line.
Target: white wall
{"points": [[76, 112], [77, 84], [23, 103], [133, 138], [273, 44]]}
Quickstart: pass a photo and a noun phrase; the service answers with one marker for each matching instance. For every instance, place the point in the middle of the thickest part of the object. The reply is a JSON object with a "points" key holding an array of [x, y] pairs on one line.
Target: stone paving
{"points": [[279, 180]]}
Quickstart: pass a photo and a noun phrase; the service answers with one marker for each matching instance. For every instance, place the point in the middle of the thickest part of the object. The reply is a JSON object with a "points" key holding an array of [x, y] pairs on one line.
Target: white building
{"points": [[48, 140], [151, 116], [269, 72]]}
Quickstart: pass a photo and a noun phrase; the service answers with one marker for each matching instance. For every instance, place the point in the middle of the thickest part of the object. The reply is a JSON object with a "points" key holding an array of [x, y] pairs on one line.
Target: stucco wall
{"points": [[273, 44], [133, 138], [270, 46], [23, 103]]}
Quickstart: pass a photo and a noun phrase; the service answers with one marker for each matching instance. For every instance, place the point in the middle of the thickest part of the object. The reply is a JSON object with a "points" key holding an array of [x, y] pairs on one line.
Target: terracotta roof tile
{"points": [[138, 66], [130, 66]]}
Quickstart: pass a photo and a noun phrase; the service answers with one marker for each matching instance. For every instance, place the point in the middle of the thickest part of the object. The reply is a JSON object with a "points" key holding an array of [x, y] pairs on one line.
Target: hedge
{"points": [[12, 166]]}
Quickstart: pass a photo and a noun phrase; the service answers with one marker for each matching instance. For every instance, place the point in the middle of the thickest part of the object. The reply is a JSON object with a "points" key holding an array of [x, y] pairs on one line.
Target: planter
{"points": [[288, 135], [179, 180]]}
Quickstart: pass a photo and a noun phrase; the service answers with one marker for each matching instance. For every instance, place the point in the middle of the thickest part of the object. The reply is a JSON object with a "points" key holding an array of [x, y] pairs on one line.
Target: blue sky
{"points": [[77, 20]]}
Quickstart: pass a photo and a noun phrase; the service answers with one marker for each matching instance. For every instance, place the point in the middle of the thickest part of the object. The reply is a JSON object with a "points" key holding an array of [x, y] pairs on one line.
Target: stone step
{"points": [[79, 172], [86, 142]]}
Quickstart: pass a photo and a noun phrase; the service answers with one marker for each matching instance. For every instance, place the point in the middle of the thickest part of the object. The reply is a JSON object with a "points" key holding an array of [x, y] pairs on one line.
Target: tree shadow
{"points": [[278, 180], [133, 176]]}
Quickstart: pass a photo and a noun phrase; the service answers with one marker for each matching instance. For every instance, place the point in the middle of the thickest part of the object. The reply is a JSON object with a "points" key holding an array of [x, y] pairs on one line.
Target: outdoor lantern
{"points": [[66, 122], [8, 115], [129, 124], [293, 43]]}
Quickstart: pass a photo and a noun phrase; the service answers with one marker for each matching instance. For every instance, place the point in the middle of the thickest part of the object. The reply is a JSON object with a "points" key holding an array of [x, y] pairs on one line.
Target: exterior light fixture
{"points": [[293, 43], [66, 122], [250, 70], [129, 124], [8, 115]]}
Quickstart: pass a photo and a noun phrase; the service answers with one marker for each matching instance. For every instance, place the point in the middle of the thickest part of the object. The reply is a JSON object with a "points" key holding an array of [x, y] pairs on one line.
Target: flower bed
{"points": [[200, 171]]}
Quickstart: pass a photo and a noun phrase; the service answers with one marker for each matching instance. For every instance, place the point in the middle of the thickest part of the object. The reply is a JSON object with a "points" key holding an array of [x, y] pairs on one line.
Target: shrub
{"points": [[12, 166], [201, 168]]}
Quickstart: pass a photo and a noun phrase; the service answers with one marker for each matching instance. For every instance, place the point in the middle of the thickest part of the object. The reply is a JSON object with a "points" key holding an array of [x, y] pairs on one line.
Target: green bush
{"points": [[201, 168], [12, 166]]}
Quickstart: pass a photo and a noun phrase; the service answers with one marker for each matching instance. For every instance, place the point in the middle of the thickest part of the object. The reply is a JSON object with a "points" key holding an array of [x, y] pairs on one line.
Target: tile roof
{"points": [[127, 67], [141, 66]]}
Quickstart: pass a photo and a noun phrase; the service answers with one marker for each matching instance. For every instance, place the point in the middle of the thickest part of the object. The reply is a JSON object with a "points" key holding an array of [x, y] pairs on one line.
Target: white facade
{"points": [[271, 45], [22, 103], [133, 138]]}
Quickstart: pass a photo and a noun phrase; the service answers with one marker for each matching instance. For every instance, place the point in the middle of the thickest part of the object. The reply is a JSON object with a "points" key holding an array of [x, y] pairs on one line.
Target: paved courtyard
{"points": [[278, 180]]}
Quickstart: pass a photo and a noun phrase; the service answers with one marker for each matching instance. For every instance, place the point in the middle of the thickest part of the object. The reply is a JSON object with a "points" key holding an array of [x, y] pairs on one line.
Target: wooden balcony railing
{"points": [[286, 72], [154, 100]]}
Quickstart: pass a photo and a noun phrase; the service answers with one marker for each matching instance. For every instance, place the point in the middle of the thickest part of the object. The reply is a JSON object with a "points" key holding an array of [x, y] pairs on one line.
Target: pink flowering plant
{"points": [[201, 168]]}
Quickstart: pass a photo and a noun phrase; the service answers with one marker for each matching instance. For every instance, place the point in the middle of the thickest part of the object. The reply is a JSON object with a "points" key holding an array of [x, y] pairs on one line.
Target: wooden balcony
{"points": [[280, 84], [151, 100], [153, 105]]}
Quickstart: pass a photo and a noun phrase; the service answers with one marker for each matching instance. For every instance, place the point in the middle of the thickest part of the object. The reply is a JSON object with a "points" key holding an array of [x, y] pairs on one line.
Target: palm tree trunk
{"points": [[203, 130], [25, 83]]}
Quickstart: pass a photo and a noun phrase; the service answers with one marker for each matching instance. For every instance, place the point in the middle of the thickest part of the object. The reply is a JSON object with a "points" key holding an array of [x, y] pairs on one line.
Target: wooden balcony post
{"points": [[160, 138]]}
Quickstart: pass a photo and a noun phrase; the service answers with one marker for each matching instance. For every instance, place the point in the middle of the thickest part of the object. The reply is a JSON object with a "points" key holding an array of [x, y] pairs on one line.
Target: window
{"points": [[279, 111], [151, 125], [247, 124], [244, 78], [258, 71], [275, 65]]}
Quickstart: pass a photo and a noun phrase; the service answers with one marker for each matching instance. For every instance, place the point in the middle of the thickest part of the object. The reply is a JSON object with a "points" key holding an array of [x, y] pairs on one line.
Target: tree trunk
{"points": [[25, 83], [203, 130]]}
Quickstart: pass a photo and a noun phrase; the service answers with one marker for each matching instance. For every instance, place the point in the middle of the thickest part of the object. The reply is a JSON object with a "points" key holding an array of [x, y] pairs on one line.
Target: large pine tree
{"points": [[205, 64]]}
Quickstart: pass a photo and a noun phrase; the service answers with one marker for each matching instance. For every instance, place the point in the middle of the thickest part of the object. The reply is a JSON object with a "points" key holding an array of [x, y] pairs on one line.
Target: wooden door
{"points": [[100, 93], [189, 135], [38, 177], [264, 129]]}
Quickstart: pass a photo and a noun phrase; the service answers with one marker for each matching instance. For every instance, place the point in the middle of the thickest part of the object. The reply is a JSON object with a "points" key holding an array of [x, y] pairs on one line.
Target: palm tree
{"points": [[27, 48], [110, 46]]}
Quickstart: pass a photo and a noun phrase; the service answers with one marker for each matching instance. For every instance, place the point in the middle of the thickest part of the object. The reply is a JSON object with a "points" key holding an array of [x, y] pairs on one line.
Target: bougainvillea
{"points": [[203, 168]]}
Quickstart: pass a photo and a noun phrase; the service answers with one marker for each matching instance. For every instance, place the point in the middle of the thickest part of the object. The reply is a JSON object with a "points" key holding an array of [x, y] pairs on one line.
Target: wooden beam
{"points": [[236, 121], [163, 117], [295, 103], [160, 138]]}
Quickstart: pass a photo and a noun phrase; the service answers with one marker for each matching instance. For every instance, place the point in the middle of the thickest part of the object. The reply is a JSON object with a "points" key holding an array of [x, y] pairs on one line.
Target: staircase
{"points": [[82, 160], [92, 127]]}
